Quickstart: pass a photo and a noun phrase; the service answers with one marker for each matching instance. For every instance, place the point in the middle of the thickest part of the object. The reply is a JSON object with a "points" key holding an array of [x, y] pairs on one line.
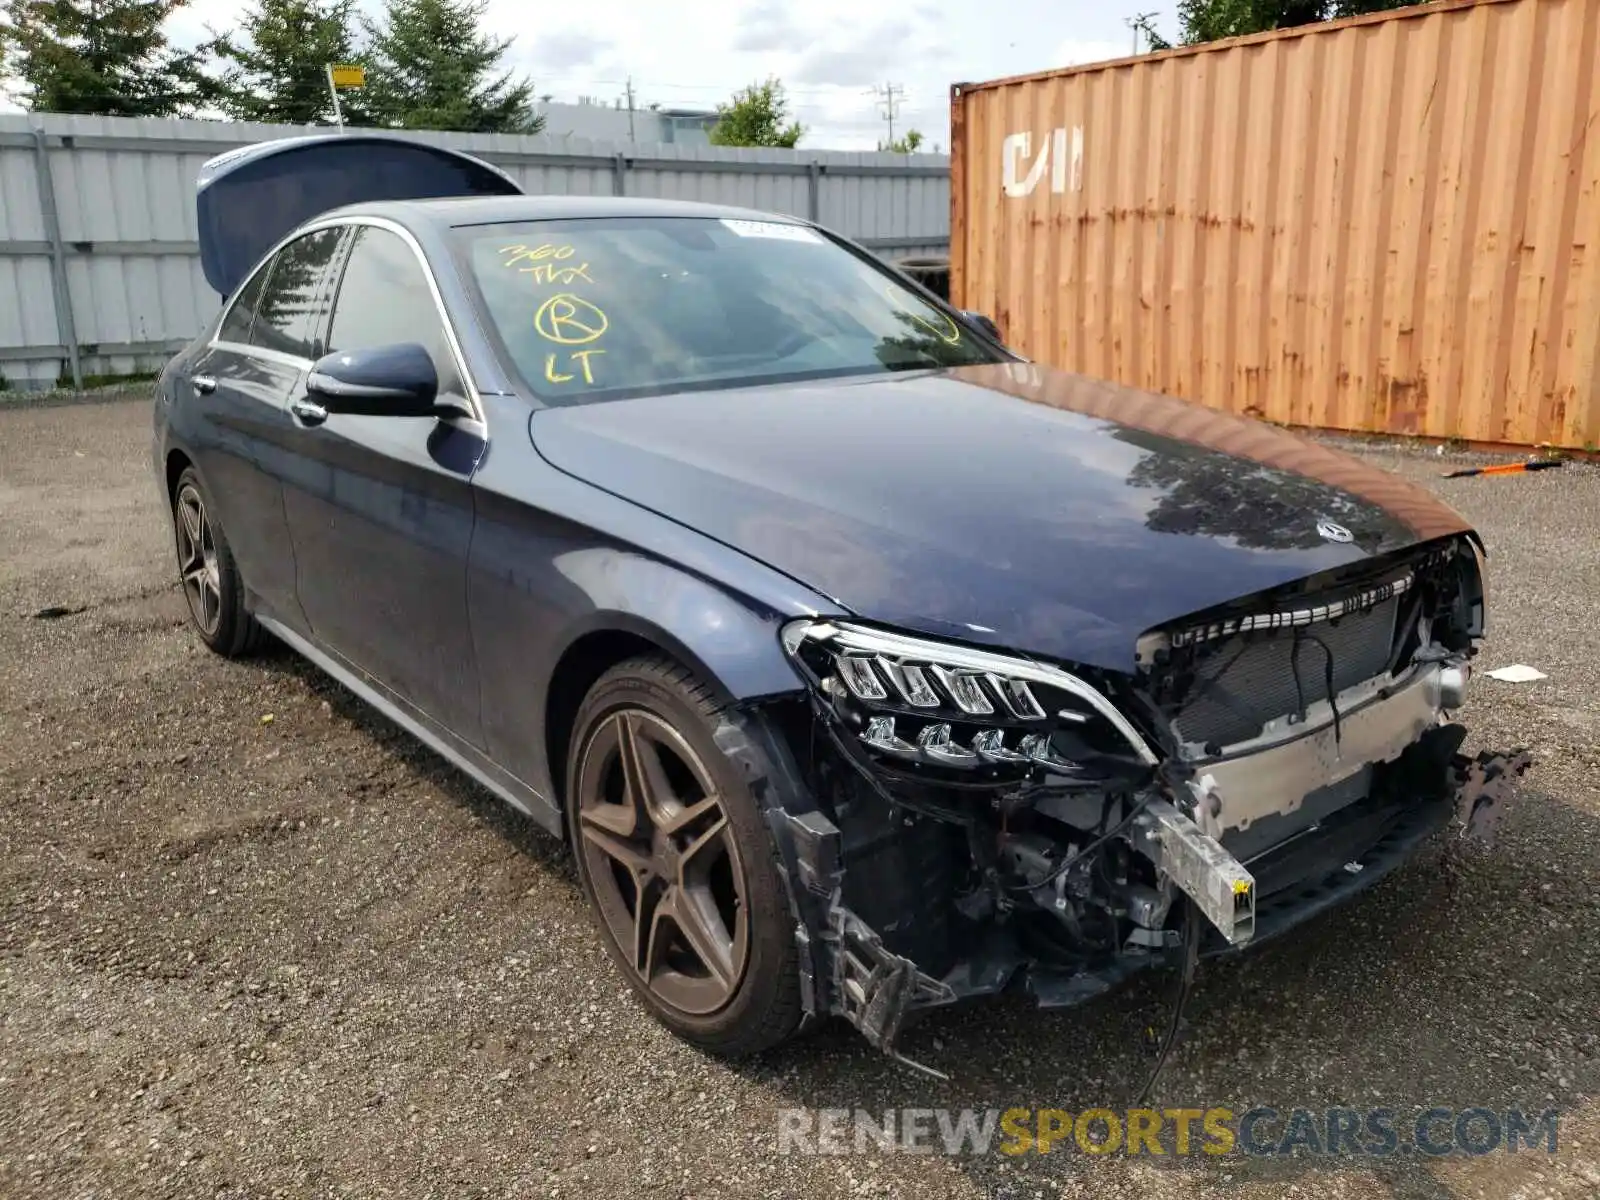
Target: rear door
{"points": [[380, 509], [243, 383]]}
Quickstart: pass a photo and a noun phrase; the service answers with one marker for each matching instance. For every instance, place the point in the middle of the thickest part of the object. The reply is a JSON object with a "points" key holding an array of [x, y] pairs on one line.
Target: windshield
{"points": [[600, 308]]}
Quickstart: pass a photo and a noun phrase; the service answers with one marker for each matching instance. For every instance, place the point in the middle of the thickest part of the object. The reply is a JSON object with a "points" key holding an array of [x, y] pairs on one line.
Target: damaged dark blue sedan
{"points": [[865, 665]]}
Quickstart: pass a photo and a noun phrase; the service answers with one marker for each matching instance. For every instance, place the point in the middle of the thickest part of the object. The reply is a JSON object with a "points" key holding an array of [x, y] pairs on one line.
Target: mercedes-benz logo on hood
{"points": [[1334, 532]]}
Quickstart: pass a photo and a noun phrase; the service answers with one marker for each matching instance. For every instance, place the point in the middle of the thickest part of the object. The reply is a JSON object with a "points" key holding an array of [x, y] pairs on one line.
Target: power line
{"points": [[888, 96]]}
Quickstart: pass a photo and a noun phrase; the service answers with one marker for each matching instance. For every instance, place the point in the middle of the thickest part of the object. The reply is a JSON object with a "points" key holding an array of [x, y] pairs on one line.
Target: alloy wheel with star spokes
{"points": [[676, 856], [667, 876], [197, 559], [207, 573]]}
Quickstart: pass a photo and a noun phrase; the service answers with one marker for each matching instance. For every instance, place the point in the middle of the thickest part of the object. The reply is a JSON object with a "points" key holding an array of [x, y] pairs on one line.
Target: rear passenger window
{"points": [[236, 324], [293, 308]]}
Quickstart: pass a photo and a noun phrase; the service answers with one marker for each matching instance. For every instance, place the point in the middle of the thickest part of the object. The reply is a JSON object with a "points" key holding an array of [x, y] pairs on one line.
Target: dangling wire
{"points": [[1294, 669], [1192, 931], [1333, 702], [1300, 635]]}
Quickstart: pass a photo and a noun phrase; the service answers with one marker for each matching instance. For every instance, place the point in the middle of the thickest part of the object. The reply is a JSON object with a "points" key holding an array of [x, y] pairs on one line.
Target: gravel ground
{"points": [[255, 942]]}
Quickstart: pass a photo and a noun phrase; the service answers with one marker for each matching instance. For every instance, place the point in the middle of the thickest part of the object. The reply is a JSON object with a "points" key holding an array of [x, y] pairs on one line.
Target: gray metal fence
{"points": [[100, 270]]}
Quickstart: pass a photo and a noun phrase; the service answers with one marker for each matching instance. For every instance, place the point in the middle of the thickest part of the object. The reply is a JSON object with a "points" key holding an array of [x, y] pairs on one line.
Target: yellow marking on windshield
{"points": [[544, 261], [579, 357], [935, 322], [565, 319], [582, 357], [520, 253], [945, 330], [569, 320]]}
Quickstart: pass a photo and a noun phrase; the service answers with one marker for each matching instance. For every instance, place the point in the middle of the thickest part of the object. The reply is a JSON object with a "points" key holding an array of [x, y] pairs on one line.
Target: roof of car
{"points": [[494, 210]]}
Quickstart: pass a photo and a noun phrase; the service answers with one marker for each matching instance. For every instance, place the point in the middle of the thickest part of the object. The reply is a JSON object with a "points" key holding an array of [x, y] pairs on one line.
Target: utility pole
{"points": [[631, 137], [333, 90], [888, 96], [1137, 22]]}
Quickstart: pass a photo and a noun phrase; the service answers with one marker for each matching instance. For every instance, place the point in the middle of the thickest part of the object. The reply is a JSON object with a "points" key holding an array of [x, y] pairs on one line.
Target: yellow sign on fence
{"points": [[348, 76]]}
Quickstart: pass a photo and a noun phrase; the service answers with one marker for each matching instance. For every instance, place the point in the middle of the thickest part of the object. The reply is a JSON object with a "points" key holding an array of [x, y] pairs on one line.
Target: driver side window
{"points": [[384, 299]]}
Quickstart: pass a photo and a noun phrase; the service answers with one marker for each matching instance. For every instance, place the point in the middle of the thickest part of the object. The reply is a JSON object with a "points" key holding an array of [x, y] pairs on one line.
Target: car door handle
{"points": [[204, 385], [310, 413]]}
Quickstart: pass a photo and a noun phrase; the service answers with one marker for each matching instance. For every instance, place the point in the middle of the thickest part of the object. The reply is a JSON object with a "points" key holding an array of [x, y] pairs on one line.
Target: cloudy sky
{"points": [[829, 53]]}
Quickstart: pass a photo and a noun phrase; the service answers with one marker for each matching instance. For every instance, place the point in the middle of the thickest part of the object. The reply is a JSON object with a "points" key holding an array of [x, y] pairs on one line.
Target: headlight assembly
{"points": [[952, 706]]}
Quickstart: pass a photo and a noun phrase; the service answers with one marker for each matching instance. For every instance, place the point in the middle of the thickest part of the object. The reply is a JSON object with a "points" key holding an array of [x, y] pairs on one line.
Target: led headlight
{"points": [[953, 706]]}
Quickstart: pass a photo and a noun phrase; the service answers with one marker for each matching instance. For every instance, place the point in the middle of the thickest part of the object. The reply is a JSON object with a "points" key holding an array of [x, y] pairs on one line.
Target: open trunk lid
{"points": [[247, 199]]}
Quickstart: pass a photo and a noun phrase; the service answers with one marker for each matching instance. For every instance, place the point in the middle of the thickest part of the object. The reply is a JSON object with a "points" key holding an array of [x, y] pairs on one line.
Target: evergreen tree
{"points": [[432, 69], [278, 62], [101, 56]]}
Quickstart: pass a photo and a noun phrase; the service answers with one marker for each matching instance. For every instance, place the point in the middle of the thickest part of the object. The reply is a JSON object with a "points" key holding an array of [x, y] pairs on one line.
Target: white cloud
{"points": [[1076, 51], [694, 53]]}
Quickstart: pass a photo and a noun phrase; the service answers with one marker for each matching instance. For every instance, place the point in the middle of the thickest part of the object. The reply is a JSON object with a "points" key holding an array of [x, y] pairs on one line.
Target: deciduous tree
{"points": [[757, 116], [1208, 20]]}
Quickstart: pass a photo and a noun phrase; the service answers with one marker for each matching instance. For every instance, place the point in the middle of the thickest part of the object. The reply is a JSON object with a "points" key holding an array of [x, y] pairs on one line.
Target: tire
{"points": [[212, 586], [714, 958]]}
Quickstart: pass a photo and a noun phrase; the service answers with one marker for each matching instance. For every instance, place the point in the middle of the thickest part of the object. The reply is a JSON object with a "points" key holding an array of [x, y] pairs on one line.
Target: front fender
{"points": [[557, 564], [725, 639]]}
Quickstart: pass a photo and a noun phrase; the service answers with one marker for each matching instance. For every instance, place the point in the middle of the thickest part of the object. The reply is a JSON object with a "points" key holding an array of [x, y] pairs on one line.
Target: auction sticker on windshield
{"points": [[772, 229]]}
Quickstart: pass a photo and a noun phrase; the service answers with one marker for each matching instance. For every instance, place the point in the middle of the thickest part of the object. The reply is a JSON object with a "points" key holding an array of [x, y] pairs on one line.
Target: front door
{"points": [[380, 509]]}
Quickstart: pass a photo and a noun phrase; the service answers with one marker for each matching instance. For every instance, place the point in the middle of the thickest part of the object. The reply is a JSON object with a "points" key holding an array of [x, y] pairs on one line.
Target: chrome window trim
{"points": [[263, 352], [474, 397]]}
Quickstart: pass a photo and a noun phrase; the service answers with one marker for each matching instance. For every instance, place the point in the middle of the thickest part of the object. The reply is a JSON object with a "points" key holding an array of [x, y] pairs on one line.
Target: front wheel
{"points": [[677, 863], [209, 576]]}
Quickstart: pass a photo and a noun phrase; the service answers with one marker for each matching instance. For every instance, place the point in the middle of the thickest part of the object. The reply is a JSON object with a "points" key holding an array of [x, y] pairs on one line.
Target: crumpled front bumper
{"points": [[849, 971]]}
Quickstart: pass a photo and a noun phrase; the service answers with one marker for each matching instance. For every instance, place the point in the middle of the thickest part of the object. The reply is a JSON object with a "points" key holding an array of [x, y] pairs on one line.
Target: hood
{"points": [[1010, 505], [247, 200]]}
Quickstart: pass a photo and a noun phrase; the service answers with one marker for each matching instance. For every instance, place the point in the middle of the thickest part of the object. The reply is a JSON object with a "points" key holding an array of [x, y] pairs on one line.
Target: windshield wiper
{"points": [[921, 362]]}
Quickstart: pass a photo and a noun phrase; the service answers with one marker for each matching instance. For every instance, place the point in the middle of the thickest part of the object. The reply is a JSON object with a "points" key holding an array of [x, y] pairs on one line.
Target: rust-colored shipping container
{"points": [[1379, 224]]}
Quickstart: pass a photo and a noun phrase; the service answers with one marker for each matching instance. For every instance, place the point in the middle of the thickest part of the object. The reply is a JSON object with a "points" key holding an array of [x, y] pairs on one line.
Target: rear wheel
{"points": [[209, 576], [677, 862]]}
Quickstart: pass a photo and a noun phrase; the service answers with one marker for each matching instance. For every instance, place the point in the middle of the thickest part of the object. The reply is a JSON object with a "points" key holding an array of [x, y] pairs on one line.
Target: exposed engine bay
{"points": [[986, 821]]}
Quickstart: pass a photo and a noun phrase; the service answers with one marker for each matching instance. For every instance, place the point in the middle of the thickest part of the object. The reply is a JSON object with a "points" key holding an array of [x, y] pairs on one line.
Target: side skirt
{"points": [[502, 783]]}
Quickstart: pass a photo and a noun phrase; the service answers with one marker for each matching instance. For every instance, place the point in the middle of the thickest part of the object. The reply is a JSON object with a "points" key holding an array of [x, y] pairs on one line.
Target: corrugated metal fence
{"points": [[1382, 224], [100, 271]]}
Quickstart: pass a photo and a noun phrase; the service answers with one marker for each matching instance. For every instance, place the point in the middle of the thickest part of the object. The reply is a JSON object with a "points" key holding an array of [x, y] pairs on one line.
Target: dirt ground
{"points": [[255, 942]]}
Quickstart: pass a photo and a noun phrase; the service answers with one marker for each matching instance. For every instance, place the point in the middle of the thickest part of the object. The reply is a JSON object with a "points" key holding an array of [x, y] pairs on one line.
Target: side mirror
{"points": [[385, 381], [978, 320]]}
